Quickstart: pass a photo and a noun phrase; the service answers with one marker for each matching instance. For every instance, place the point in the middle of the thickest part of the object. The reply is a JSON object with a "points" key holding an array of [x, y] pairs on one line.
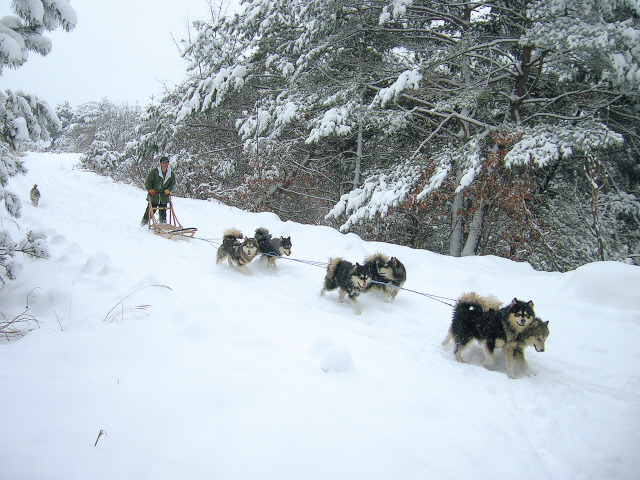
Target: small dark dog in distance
{"points": [[237, 253], [350, 279], [385, 270], [482, 319], [34, 195], [272, 248]]}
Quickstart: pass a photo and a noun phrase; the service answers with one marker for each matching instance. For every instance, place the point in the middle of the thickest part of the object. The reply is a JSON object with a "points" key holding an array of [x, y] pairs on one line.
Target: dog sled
{"points": [[172, 227]]}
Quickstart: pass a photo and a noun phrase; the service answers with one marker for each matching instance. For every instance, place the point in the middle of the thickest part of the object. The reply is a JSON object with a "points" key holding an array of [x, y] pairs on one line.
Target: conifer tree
{"points": [[306, 70], [24, 117], [468, 127], [547, 74]]}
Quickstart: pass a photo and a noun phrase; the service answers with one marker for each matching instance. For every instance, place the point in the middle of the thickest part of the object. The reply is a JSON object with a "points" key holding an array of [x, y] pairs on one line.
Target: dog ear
{"points": [[513, 302], [289, 238], [530, 303], [546, 323]]}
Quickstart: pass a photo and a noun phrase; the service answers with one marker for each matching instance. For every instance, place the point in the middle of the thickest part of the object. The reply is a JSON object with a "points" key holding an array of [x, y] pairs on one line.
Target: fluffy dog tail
{"points": [[262, 233], [377, 258], [230, 238], [472, 299], [232, 232], [263, 239], [333, 264]]}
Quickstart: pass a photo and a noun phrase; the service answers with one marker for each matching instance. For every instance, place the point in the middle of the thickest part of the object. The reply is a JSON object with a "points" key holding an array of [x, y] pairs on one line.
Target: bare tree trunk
{"points": [[358, 169], [592, 171], [474, 234], [636, 252], [455, 239]]}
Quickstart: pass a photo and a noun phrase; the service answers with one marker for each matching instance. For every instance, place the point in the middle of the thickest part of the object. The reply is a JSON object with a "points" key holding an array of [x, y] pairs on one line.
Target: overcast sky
{"points": [[121, 49]]}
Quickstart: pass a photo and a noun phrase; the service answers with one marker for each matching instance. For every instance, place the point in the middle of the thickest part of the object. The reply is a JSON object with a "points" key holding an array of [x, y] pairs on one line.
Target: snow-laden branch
{"points": [[378, 194], [407, 80], [335, 121], [544, 144], [211, 91]]}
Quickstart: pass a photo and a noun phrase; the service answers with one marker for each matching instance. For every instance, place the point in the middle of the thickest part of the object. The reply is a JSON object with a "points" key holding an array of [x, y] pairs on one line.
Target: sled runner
{"points": [[172, 227]]}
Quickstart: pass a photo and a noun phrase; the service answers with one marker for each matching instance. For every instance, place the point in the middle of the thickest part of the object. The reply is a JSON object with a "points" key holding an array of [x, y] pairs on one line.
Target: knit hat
{"points": [[164, 159]]}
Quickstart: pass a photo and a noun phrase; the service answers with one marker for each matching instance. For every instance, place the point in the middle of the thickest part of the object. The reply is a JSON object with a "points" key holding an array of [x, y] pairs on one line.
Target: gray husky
{"points": [[272, 248], [235, 252], [483, 319], [350, 279], [34, 195], [534, 335]]}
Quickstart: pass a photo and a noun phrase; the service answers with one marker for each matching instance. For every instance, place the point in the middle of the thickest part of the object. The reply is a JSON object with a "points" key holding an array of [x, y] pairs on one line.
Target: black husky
{"points": [[482, 319], [235, 252], [272, 248], [385, 270], [350, 279]]}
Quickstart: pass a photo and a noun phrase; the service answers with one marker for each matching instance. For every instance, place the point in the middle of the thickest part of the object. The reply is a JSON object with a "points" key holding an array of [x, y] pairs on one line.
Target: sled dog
{"points": [[34, 195], [272, 248], [385, 270], [483, 319], [235, 252], [350, 279], [534, 335]]}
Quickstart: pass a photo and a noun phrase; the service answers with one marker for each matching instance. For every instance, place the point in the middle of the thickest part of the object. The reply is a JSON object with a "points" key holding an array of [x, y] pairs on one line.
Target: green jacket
{"points": [[155, 182]]}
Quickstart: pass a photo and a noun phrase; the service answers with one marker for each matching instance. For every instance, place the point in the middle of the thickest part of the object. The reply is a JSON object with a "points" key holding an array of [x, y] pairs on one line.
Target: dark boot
{"points": [[162, 213], [145, 218]]}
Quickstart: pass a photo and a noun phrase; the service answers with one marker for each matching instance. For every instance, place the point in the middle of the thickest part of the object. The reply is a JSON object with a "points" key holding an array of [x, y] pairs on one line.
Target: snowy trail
{"points": [[222, 377]]}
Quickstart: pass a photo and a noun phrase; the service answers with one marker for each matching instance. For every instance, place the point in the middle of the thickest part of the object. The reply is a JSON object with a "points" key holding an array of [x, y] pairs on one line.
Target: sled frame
{"points": [[172, 227]]}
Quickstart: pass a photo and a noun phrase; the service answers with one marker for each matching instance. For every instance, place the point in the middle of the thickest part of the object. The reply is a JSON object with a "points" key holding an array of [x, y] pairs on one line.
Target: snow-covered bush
{"points": [[33, 245]]}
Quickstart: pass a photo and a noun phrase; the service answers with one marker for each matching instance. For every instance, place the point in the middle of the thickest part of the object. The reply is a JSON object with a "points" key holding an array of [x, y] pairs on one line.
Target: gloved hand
{"points": [[166, 192], [152, 192]]}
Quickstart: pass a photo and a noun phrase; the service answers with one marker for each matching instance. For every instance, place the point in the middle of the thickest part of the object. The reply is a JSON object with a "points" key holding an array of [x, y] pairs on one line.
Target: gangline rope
{"points": [[437, 298]]}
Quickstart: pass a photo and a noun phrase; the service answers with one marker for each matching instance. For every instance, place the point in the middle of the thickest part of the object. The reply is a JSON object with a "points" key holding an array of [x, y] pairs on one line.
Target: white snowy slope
{"points": [[228, 376]]}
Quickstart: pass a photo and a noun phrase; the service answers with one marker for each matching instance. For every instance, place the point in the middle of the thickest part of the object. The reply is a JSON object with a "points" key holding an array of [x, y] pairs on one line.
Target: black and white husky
{"points": [[272, 248], [385, 270], [350, 279], [236, 252], [483, 319]]}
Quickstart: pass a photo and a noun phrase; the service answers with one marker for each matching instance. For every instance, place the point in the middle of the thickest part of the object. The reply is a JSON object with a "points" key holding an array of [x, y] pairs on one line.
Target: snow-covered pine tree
{"points": [[60, 142], [459, 127], [306, 71], [547, 73], [24, 117]]}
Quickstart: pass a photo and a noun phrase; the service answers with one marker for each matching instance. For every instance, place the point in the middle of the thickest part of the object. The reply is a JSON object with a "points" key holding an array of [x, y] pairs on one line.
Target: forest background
{"points": [[499, 127]]}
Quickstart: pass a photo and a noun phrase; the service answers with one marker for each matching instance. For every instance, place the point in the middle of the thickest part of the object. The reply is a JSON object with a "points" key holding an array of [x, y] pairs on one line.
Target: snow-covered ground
{"points": [[223, 375]]}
